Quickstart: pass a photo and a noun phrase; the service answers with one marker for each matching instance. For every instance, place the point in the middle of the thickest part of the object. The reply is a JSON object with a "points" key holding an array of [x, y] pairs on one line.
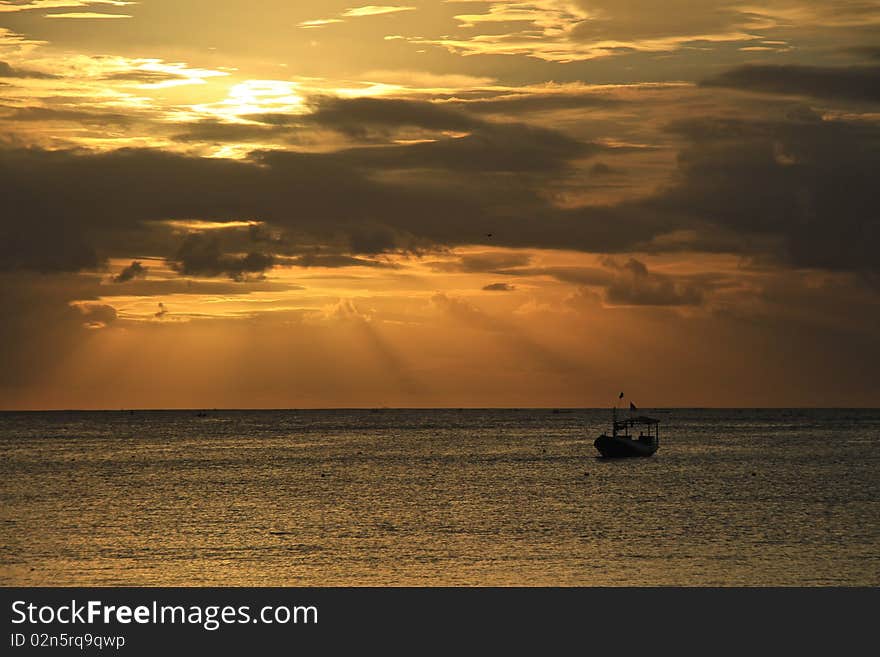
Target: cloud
{"points": [[536, 102], [81, 116], [163, 287], [375, 10], [489, 261], [201, 255], [63, 248], [858, 83], [355, 12], [797, 189], [508, 147], [144, 76], [499, 287], [74, 209], [58, 4], [354, 116], [868, 52], [371, 237], [8, 71], [95, 315], [441, 126], [807, 183], [567, 31], [627, 282], [87, 15], [134, 270], [632, 284], [427, 82], [578, 275], [482, 145], [319, 22], [212, 130], [602, 169], [335, 261]]}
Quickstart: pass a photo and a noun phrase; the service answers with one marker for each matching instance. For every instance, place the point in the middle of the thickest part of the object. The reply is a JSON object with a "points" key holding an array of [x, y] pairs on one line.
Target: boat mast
{"points": [[614, 417]]}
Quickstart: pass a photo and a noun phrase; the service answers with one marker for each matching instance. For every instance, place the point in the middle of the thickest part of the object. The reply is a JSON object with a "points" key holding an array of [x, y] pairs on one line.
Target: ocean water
{"points": [[437, 497]]}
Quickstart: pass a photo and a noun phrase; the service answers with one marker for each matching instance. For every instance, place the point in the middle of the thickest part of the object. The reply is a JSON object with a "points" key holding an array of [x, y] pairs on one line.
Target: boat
{"points": [[623, 443]]}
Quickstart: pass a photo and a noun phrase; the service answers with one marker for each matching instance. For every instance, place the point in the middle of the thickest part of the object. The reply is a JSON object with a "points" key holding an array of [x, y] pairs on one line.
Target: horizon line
{"points": [[426, 408]]}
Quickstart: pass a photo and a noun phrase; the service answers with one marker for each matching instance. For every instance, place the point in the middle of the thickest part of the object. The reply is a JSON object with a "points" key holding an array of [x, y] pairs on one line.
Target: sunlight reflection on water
{"points": [[736, 497]]}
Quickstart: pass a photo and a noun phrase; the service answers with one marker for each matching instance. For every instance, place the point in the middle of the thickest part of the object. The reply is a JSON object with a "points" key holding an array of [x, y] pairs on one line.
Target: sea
{"points": [[426, 497]]}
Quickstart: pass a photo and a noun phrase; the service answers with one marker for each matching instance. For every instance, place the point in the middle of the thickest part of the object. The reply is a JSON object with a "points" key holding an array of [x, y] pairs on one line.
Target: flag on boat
{"points": [[632, 407]]}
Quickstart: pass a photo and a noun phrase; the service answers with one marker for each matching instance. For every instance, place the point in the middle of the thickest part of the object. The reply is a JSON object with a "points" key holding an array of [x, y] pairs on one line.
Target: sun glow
{"points": [[255, 97]]}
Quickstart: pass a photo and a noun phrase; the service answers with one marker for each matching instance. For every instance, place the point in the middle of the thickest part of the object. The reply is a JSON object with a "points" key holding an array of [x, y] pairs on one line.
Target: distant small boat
{"points": [[622, 443]]}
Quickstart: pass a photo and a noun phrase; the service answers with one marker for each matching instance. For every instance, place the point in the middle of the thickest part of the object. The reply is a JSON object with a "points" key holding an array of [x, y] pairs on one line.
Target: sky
{"points": [[460, 203]]}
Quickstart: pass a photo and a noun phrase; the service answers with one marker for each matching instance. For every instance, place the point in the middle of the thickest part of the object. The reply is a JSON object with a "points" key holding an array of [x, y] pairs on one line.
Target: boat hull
{"points": [[616, 447]]}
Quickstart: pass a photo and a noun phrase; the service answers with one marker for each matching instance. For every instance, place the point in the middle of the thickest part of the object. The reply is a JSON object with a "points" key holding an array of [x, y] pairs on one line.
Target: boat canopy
{"points": [[635, 421], [624, 426]]}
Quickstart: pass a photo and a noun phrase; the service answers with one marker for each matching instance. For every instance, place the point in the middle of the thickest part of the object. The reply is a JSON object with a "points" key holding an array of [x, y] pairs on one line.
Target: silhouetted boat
{"points": [[621, 443]]}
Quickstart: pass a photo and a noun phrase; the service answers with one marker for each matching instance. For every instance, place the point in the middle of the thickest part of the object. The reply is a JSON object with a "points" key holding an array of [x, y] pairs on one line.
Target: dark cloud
{"points": [[632, 284], [535, 102], [510, 147], [60, 249], [487, 146], [355, 116], [868, 52], [105, 199], [490, 261], [8, 71], [602, 169], [799, 188], [335, 261], [810, 184], [221, 131], [499, 287], [278, 119], [83, 116], [73, 209], [134, 270], [66, 206], [859, 83], [629, 282], [588, 276], [372, 238], [187, 286], [201, 255], [144, 77], [360, 119]]}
